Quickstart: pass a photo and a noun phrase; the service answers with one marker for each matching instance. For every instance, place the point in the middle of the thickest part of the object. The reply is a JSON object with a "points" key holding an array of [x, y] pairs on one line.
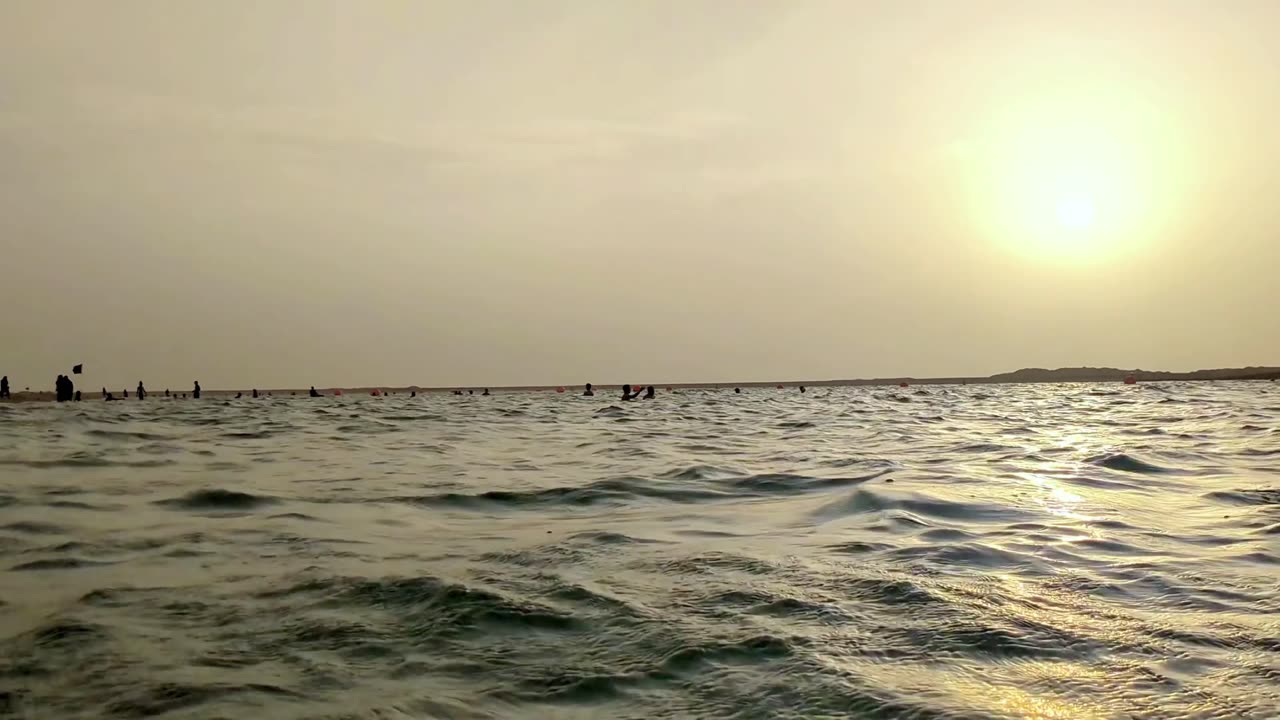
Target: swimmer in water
{"points": [[627, 394], [802, 389], [313, 392], [737, 391], [486, 392], [589, 392], [648, 393]]}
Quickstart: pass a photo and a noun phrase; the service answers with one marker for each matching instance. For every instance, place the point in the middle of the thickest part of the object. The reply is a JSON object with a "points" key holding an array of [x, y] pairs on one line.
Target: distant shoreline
{"points": [[1024, 376]]}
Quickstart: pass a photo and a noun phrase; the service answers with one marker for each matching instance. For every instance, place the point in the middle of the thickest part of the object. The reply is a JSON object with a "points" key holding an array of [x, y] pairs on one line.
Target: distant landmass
{"points": [[1079, 374], [1025, 375]]}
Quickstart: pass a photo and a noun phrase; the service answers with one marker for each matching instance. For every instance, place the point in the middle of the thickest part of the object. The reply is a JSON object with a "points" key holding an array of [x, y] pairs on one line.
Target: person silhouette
{"points": [[313, 392], [255, 392], [486, 392], [142, 392], [195, 392], [737, 391], [648, 393], [4, 387], [77, 396], [802, 390], [627, 394], [589, 392]]}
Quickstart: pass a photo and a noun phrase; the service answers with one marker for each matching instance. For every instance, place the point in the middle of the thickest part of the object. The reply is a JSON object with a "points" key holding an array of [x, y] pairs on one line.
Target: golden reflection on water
{"points": [[972, 687], [1012, 701], [1055, 499]]}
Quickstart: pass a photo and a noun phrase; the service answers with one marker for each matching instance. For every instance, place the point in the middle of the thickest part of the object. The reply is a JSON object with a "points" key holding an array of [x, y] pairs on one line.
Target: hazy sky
{"points": [[489, 192]]}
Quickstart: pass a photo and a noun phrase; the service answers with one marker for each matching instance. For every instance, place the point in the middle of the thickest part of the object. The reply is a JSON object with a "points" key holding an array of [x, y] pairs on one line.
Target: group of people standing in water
{"points": [[140, 392], [639, 393], [65, 391]]}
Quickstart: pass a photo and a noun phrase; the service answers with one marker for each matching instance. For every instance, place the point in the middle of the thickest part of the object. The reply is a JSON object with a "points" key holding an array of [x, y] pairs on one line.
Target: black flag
{"points": [[77, 370]]}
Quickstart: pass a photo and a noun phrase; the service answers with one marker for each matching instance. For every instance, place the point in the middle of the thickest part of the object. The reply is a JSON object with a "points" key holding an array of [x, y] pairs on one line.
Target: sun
{"points": [[1076, 211], [1079, 178]]}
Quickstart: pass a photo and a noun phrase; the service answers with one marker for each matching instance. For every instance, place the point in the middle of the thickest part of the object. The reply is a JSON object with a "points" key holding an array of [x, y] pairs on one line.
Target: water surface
{"points": [[1035, 551]]}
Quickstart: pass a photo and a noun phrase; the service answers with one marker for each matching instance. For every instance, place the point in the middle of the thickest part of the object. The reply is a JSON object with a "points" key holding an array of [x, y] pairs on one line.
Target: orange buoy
{"points": [[559, 389], [903, 385], [337, 392], [1130, 380], [779, 387]]}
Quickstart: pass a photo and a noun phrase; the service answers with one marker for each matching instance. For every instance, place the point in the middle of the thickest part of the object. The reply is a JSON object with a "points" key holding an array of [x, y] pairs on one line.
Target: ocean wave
{"points": [[713, 555], [217, 499], [85, 460], [58, 564], [1127, 463]]}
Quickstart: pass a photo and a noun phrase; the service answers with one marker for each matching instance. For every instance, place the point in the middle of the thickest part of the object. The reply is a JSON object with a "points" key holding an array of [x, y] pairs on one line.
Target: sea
{"points": [[935, 552]]}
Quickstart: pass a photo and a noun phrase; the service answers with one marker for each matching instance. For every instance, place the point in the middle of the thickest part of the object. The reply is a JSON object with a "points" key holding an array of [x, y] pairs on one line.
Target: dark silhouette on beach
{"points": [[627, 394], [195, 393], [255, 392], [313, 392], [589, 392], [4, 387], [77, 396], [125, 393], [737, 391], [486, 392], [166, 392], [802, 390], [649, 393], [142, 392], [108, 397], [239, 395]]}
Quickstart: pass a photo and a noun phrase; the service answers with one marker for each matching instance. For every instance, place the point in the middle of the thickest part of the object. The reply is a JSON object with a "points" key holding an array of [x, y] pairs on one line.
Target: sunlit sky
{"points": [[484, 192]]}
